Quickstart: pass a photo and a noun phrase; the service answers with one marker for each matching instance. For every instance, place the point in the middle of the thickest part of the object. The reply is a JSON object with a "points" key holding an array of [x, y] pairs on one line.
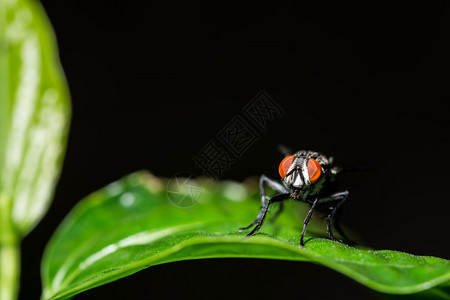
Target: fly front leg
{"points": [[307, 219], [258, 217], [273, 184], [262, 214]]}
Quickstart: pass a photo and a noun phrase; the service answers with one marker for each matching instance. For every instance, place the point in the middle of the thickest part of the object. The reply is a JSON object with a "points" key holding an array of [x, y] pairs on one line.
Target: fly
{"points": [[306, 176]]}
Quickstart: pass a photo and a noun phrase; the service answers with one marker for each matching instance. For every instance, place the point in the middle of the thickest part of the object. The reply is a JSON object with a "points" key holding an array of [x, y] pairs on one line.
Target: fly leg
{"points": [[341, 197], [307, 219], [263, 180], [338, 227], [277, 186], [274, 217], [262, 214], [254, 221]]}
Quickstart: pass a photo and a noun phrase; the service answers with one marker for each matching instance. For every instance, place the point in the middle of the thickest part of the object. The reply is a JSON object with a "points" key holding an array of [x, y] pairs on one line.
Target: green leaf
{"points": [[131, 225], [34, 115]]}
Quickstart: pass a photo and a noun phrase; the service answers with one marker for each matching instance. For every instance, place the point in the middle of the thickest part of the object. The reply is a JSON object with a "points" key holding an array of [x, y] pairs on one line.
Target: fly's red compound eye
{"points": [[314, 170], [285, 165]]}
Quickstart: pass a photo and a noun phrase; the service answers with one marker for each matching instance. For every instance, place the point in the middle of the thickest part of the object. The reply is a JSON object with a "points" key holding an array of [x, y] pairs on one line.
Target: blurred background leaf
{"points": [[34, 112], [141, 221], [34, 118]]}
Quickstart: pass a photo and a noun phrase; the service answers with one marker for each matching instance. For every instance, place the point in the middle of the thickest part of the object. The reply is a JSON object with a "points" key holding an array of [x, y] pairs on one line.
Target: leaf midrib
{"points": [[159, 259]]}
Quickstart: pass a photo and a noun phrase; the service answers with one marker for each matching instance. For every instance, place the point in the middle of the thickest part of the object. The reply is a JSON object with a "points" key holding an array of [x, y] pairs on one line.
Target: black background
{"points": [[152, 84]]}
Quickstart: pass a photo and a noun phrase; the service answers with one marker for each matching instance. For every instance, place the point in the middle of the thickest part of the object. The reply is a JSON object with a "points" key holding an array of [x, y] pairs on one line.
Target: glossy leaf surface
{"points": [[133, 224]]}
